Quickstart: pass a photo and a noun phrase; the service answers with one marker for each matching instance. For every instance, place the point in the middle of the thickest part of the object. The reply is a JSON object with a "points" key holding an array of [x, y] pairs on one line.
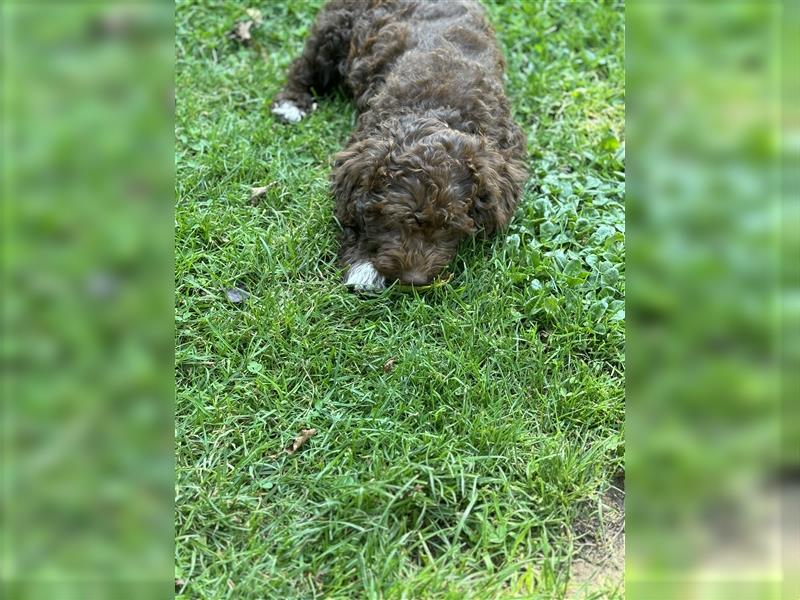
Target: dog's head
{"points": [[410, 196]]}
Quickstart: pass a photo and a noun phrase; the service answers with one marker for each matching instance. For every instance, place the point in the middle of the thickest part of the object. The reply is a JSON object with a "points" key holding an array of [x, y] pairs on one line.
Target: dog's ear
{"points": [[358, 170], [498, 187]]}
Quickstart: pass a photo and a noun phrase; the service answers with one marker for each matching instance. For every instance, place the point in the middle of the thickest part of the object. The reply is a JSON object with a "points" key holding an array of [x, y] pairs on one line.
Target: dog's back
{"points": [[399, 34], [411, 55]]}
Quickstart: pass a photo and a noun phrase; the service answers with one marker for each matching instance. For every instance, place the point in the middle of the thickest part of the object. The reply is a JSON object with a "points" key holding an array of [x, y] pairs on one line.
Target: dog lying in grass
{"points": [[435, 156]]}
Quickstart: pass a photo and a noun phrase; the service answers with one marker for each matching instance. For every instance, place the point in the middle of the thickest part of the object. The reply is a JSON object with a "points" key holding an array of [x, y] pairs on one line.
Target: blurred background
{"points": [[712, 445], [87, 397], [713, 455]]}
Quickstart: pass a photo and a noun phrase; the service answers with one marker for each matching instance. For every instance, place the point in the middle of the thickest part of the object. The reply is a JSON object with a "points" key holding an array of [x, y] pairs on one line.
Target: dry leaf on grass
{"points": [[241, 32], [302, 438], [389, 365], [257, 192]]}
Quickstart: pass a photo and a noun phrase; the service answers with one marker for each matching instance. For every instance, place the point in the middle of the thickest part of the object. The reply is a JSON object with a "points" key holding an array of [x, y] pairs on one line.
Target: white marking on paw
{"points": [[363, 277], [288, 111]]}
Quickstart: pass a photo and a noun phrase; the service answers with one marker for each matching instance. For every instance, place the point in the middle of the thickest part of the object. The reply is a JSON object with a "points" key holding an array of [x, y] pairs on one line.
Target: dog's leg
{"points": [[322, 63], [361, 275]]}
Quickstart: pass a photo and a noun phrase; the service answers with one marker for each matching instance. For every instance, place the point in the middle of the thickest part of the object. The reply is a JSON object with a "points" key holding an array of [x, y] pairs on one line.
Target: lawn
{"points": [[466, 435]]}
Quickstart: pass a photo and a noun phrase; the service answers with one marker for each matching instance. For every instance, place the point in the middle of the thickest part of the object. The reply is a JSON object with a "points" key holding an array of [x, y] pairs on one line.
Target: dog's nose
{"points": [[414, 278]]}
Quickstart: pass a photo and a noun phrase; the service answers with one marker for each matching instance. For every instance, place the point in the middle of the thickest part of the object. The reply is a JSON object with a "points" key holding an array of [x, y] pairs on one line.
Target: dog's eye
{"points": [[418, 218]]}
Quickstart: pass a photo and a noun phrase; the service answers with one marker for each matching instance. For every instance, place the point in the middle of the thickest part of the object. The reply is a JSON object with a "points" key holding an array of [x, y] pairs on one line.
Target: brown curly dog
{"points": [[435, 156]]}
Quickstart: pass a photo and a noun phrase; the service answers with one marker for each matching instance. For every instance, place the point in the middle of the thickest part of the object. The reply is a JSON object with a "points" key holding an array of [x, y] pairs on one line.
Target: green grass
{"points": [[464, 470]]}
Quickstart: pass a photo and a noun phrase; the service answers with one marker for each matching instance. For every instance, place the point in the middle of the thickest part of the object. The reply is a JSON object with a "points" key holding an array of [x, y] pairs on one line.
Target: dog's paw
{"points": [[288, 111], [362, 277]]}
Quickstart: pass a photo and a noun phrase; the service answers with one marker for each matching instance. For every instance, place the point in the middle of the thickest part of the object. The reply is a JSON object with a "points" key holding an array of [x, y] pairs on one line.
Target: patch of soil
{"points": [[600, 562]]}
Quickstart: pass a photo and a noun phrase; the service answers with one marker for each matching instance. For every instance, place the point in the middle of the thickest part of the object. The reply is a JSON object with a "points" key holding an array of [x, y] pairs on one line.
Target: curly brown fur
{"points": [[435, 156]]}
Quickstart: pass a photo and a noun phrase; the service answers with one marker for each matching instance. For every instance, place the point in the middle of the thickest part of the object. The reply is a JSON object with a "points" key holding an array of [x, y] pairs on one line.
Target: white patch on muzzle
{"points": [[288, 112], [363, 277]]}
